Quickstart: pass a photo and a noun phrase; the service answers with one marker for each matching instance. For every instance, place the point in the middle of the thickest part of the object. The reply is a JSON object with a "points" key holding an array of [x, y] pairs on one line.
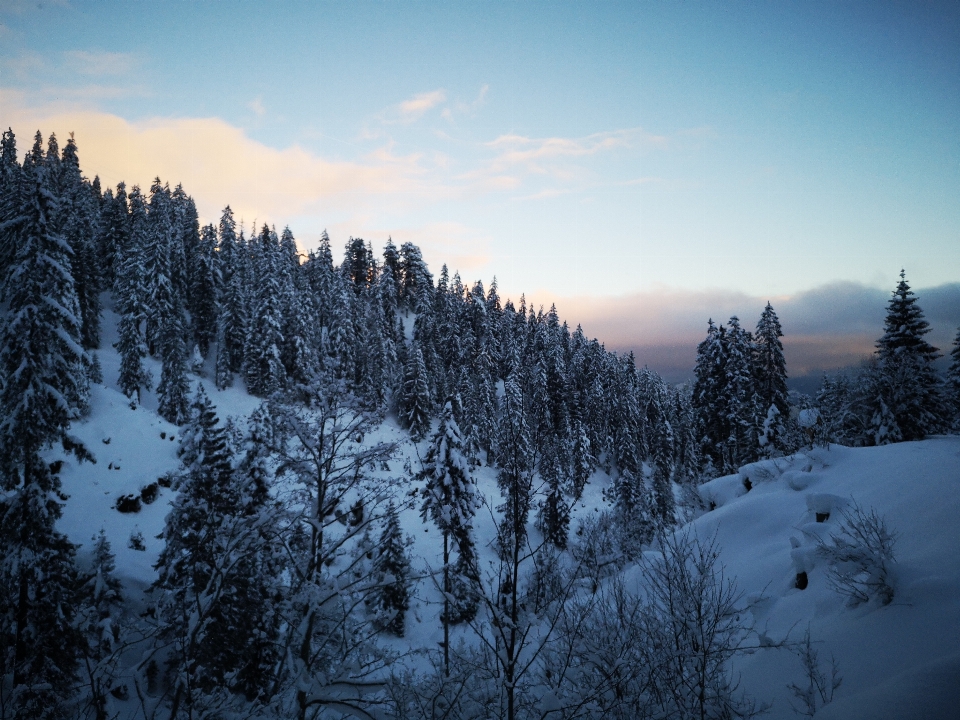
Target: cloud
{"points": [[98, 63], [219, 164], [414, 108], [825, 328], [256, 105], [467, 108]]}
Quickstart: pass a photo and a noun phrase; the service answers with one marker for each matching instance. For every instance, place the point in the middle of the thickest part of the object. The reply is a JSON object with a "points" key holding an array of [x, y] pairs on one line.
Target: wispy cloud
{"points": [[256, 106], [467, 108], [416, 107], [98, 63]]}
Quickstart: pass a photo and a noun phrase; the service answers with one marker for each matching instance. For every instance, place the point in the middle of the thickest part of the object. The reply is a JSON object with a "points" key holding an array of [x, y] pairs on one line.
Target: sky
{"points": [[645, 166]]}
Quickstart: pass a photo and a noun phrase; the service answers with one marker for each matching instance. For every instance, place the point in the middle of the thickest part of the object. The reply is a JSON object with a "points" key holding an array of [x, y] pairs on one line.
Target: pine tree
{"points": [[41, 359], [770, 374], [101, 623], [392, 574], [215, 577], [449, 500], [554, 518], [413, 405], [10, 187], [741, 444], [953, 381], [232, 311], [710, 396], [908, 386], [263, 368], [131, 304], [204, 289]]}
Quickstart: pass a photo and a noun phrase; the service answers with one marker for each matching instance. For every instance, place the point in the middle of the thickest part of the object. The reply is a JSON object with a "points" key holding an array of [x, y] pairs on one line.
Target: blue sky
{"points": [[615, 157]]}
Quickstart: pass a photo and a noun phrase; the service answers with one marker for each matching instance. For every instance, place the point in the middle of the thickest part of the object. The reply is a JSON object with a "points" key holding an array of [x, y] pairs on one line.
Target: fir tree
{"points": [[263, 368], [215, 577], [232, 315], [908, 388], [204, 289], [953, 381], [449, 500], [392, 573], [131, 304], [554, 518], [413, 405], [770, 373], [101, 623]]}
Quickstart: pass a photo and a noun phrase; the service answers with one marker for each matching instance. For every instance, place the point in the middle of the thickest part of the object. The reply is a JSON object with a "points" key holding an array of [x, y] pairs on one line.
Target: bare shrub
{"points": [[860, 553], [816, 689]]}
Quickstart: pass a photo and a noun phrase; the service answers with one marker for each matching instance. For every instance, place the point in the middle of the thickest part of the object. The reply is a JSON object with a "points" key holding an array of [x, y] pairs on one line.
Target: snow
{"points": [[898, 661]]}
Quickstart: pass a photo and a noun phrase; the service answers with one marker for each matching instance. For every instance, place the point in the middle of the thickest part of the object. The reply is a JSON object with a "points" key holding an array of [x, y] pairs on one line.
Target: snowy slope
{"points": [[898, 661]]}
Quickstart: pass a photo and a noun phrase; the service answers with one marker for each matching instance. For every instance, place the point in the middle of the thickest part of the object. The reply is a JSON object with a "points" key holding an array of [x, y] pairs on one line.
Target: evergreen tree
{"points": [[908, 388], [413, 405], [741, 444], [131, 304], [710, 396], [554, 518], [215, 579], [770, 374], [450, 501], [101, 625], [232, 315], [392, 574], [953, 381], [10, 214], [204, 289], [263, 368]]}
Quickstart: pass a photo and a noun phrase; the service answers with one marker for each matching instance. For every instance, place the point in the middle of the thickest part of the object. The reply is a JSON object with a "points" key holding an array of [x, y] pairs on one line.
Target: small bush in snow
{"points": [[128, 504], [817, 688], [136, 541], [149, 493], [861, 557]]}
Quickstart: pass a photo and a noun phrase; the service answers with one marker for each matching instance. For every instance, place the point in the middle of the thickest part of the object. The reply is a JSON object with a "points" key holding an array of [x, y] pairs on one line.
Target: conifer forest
{"points": [[240, 481]]}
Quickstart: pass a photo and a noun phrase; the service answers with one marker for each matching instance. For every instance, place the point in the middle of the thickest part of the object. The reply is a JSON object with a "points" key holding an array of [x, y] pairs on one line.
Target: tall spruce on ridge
{"points": [[907, 385], [43, 386], [263, 368], [770, 373], [413, 405]]}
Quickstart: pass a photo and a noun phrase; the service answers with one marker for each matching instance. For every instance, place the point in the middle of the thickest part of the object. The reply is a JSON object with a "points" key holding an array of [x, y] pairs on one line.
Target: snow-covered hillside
{"points": [[897, 661]]}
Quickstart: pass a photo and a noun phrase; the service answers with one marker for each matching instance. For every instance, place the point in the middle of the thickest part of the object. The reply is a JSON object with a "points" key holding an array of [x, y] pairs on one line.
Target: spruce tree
{"points": [[263, 368], [770, 374], [131, 304], [204, 289], [392, 574], [953, 381], [741, 445], [101, 623], [232, 311], [413, 405], [908, 388], [449, 500], [215, 579]]}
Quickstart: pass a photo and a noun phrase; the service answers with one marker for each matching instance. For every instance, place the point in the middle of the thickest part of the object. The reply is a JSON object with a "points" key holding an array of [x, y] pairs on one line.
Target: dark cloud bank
{"points": [[826, 328]]}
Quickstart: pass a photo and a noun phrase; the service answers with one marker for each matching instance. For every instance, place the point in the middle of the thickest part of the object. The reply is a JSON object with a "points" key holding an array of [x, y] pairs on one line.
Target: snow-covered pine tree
{"points": [[9, 204], [710, 397], [41, 363], [770, 374], [80, 213], [131, 303], [263, 368], [232, 310], [391, 567], [554, 520], [953, 381], [413, 404], [741, 445], [907, 383], [101, 622], [204, 289], [214, 588], [114, 233], [450, 501]]}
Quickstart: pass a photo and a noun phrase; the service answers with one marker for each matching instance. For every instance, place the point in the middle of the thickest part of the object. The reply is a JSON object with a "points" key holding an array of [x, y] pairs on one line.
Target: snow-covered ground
{"points": [[897, 661]]}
